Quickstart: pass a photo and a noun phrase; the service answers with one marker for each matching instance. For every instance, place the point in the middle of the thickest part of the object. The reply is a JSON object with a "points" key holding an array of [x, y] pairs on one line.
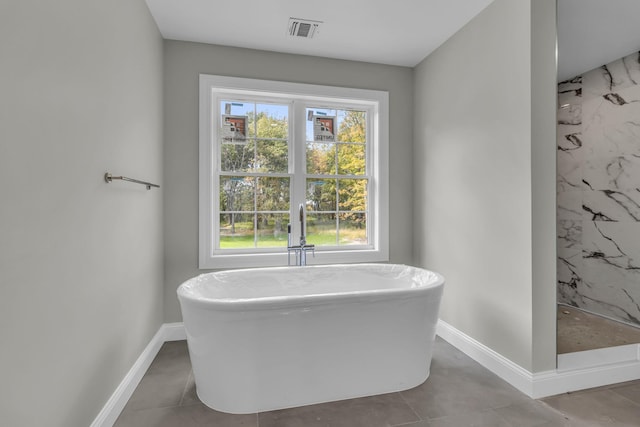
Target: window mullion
{"points": [[215, 176], [299, 187], [255, 179]]}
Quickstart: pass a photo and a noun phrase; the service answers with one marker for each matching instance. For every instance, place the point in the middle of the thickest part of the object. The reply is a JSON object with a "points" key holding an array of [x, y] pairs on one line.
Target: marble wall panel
{"points": [[598, 142], [611, 205], [570, 285], [570, 171], [611, 269], [570, 205], [569, 234], [570, 150], [570, 91], [621, 172], [613, 77], [611, 124]]}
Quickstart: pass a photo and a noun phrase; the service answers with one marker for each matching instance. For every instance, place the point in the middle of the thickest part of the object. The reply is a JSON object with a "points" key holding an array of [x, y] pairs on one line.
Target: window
{"points": [[268, 147]]}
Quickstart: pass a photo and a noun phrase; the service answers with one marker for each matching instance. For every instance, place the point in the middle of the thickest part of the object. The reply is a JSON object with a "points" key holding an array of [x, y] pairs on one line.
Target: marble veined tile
{"points": [[569, 83], [611, 269], [569, 170], [570, 156], [570, 92], [611, 126], [617, 75], [569, 234], [570, 114], [613, 243], [620, 173], [569, 267], [570, 205], [569, 138], [595, 83], [611, 205]]}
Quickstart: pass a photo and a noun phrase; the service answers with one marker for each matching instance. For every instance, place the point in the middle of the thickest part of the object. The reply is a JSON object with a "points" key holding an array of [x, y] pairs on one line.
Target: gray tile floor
{"points": [[458, 393]]}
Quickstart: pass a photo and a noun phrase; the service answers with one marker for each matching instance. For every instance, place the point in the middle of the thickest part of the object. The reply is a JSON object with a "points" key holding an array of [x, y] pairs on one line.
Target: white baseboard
{"points": [[511, 372], [114, 406], [174, 331], [588, 372]]}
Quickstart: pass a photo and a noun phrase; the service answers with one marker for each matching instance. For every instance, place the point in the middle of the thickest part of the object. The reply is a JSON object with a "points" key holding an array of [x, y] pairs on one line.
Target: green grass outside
{"points": [[243, 237]]}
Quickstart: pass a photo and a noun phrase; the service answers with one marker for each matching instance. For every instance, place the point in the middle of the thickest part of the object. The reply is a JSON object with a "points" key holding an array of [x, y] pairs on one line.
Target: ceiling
{"points": [[591, 33], [399, 32]]}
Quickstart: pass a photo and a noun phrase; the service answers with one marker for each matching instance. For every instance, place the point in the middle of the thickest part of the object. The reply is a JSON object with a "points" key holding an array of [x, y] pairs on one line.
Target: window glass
{"points": [[264, 153]]}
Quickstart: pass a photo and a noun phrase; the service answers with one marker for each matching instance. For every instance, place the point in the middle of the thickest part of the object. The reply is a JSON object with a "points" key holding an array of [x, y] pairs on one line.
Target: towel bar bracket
{"points": [[109, 178]]}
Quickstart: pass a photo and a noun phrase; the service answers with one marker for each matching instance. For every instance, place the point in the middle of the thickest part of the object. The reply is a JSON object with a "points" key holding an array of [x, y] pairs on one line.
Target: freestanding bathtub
{"points": [[272, 338]]}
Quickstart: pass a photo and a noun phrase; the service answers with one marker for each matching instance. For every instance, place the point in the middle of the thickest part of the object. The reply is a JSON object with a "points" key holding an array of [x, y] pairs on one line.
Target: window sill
{"points": [[279, 259]]}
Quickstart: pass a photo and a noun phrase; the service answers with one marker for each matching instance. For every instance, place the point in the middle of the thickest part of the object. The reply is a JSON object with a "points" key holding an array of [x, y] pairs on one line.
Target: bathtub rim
{"points": [[311, 300]]}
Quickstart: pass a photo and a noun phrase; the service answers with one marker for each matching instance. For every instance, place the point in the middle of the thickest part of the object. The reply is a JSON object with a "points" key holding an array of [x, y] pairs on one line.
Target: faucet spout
{"points": [[303, 239], [300, 251]]}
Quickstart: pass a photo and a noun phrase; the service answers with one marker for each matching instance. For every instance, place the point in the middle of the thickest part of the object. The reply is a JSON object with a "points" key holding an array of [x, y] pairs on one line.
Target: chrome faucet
{"points": [[303, 239], [300, 250]]}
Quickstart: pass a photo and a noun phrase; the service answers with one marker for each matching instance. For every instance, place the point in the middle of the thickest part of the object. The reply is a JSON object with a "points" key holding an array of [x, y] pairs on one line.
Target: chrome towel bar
{"points": [[108, 177]]}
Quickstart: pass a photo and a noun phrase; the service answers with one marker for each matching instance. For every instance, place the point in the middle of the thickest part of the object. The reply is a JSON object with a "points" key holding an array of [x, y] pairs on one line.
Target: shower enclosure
{"points": [[598, 197]]}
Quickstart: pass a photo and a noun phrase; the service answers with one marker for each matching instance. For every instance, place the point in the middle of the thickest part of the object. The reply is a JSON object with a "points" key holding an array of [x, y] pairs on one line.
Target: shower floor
{"points": [[581, 331]]}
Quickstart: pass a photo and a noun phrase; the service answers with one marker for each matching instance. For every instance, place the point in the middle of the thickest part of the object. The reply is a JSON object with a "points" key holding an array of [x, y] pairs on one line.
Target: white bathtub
{"points": [[273, 338]]}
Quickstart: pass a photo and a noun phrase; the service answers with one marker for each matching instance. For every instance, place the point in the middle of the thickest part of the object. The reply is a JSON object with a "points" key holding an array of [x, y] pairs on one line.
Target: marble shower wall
{"points": [[599, 190]]}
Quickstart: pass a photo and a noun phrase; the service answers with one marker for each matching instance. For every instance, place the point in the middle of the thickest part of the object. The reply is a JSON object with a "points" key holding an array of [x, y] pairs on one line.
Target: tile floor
{"points": [[458, 393], [579, 331]]}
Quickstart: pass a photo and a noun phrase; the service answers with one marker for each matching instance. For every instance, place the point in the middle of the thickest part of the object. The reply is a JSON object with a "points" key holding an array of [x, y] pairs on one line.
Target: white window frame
{"points": [[377, 164]]}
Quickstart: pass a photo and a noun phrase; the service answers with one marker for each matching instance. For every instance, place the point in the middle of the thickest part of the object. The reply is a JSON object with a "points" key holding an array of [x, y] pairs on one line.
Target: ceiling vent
{"points": [[304, 28]]}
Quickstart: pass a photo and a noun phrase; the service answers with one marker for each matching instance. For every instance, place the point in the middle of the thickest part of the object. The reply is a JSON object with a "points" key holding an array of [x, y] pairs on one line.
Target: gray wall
{"points": [[476, 170], [184, 61], [543, 182], [80, 260]]}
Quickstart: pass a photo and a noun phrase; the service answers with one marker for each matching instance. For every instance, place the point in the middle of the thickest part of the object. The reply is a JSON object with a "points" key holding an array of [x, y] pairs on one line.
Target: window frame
{"points": [[377, 102]]}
